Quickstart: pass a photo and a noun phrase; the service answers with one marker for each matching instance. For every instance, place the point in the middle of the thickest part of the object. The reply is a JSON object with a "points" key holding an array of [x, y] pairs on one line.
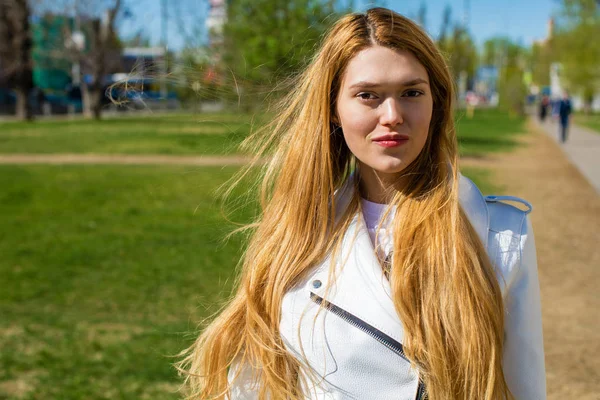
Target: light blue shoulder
{"points": [[508, 232], [507, 214]]}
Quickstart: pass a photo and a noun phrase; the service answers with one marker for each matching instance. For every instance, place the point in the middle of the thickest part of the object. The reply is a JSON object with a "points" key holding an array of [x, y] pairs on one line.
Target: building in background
{"points": [[52, 67], [56, 41], [215, 22], [217, 16]]}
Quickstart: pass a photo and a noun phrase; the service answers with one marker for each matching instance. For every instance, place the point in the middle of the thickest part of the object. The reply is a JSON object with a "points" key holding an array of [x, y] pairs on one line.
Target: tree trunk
{"points": [[23, 107], [91, 96], [15, 52], [96, 95], [86, 101]]}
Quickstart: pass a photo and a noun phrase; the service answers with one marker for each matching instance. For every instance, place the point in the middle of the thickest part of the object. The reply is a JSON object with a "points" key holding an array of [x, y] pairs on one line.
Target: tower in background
{"points": [[217, 16]]}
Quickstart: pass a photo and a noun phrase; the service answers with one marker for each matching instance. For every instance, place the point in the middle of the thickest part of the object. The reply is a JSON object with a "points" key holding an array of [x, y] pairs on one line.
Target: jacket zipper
{"points": [[421, 393], [370, 330]]}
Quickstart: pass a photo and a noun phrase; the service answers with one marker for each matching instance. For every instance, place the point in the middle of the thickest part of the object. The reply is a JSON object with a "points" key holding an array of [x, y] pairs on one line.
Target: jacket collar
{"points": [[474, 205], [358, 284], [470, 198]]}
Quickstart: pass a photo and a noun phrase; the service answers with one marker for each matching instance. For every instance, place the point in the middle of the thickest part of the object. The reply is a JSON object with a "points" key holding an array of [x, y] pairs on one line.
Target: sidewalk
{"points": [[582, 149], [565, 218]]}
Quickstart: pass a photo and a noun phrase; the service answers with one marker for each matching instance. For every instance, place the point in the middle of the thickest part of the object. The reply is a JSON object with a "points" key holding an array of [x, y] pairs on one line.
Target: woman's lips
{"points": [[390, 140]]}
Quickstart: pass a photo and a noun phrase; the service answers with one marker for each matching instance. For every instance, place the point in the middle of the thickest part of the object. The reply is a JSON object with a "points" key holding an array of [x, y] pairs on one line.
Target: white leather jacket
{"points": [[353, 343]]}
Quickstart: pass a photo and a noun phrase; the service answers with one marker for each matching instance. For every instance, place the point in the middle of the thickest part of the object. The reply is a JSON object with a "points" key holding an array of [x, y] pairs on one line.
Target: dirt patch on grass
{"points": [[566, 218], [19, 388], [28, 340], [15, 389], [11, 331], [159, 389], [109, 333]]}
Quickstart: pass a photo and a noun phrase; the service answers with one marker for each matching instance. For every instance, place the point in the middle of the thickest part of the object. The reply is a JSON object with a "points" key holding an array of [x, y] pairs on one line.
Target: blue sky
{"points": [[522, 20]]}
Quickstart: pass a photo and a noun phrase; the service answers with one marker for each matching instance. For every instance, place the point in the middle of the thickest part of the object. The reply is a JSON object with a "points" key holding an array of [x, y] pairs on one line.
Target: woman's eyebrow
{"points": [[367, 84]]}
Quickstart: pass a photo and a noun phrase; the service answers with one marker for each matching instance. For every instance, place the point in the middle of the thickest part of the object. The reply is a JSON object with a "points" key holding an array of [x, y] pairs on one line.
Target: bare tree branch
{"points": [[16, 70], [90, 43]]}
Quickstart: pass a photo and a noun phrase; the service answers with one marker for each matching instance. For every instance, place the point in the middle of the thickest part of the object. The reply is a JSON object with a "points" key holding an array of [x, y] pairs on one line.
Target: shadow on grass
{"points": [[478, 146]]}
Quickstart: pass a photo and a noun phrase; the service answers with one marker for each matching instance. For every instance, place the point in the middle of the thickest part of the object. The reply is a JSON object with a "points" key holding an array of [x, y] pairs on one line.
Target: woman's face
{"points": [[384, 107]]}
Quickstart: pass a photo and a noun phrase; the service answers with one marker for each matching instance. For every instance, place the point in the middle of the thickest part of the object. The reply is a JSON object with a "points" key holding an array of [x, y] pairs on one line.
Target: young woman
{"points": [[376, 271]]}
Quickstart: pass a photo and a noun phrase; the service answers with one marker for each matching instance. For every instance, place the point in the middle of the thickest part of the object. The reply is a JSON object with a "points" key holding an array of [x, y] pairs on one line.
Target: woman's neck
{"points": [[375, 186]]}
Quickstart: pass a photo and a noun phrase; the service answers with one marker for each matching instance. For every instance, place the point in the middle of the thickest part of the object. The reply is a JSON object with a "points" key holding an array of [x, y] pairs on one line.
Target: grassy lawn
{"points": [[105, 272], [589, 121], [172, 134], [489, 131]]}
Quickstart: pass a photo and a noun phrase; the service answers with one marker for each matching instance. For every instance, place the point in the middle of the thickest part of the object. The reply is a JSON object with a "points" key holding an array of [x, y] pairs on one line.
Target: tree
{"points": [[89, 41], [456, 43], [463, 52], [493, 51], [542, 57], [577, 46], [511, 59], [103, 41], [15, 52], [265, 40]]}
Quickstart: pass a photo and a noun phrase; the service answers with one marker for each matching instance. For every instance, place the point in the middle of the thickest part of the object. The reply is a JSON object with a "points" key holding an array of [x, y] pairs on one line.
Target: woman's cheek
{"points": [[420, 114], [358, 124]]}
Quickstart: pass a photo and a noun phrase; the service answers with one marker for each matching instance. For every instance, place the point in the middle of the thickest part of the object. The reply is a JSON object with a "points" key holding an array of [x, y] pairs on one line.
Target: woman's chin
{"points": [[390, 168]]}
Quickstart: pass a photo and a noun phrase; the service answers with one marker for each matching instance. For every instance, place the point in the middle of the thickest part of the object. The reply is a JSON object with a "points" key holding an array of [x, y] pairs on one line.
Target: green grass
{"points": [[173, 134], [483, 179], [104, 270], [590, 121], [489, 131]]}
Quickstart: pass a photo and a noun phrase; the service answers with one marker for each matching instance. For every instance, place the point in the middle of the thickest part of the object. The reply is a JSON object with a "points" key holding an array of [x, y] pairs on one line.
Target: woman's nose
{"points": [[391, 113]]}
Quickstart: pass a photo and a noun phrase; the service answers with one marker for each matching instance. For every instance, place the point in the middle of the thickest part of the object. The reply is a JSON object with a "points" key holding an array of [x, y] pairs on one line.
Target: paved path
{"points": [[566, 217], [582, 149], [125, 159]]}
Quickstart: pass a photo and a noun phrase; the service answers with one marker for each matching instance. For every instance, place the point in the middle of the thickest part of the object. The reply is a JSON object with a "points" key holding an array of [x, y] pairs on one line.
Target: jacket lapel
{"points": [[357, 283], [473, 202]]}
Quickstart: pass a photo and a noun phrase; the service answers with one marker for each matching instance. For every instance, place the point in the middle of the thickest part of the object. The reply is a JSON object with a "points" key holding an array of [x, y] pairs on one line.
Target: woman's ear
{"points": [[335, 119]]}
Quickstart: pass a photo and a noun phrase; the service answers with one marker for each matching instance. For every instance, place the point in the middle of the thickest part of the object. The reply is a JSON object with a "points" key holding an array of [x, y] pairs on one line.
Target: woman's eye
{"points": [[413, 93], [366, 96]]}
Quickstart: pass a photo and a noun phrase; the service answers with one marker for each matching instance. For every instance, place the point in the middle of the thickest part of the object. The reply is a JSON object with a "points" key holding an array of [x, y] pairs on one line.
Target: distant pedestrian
{"points": [[564, 114], [544, 104]]}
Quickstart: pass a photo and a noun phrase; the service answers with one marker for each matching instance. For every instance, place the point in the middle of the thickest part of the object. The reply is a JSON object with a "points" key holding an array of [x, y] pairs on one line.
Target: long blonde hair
{"points": [[445, 290]]}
